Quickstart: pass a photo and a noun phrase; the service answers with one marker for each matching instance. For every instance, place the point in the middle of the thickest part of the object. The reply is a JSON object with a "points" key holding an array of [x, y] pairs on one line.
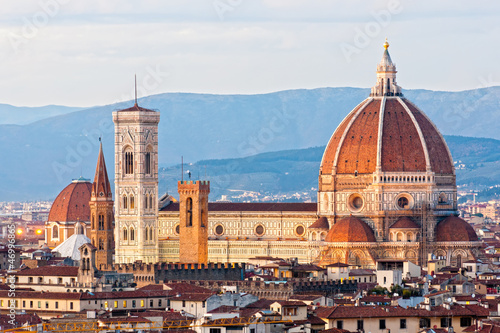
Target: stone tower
{"points": [[101, 214], [136, 184], [193, 215]]}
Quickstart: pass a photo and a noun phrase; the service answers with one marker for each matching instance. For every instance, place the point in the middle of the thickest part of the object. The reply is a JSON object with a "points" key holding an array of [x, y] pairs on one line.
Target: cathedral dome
{"points": [[386, 133], [350, 229], [72, 204], [454, 229]]}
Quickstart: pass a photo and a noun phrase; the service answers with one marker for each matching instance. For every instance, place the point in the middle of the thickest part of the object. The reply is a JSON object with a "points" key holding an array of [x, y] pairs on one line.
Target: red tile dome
{"points": [[350, 229], [404, 223], [454, 229], [320, 223], [391, 132], [72, 204]]}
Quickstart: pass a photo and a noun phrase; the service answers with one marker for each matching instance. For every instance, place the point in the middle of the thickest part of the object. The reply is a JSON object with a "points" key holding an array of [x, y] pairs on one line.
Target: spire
{"points": [[101, 180], [386, 76]]}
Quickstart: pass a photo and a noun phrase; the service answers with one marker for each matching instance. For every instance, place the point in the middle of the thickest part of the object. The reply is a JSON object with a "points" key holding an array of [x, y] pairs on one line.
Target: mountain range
{"points": [[41, 157]]}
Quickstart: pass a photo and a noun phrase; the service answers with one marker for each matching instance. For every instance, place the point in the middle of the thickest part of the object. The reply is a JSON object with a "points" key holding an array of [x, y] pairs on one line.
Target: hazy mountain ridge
{"points": [[22, 115], [42, 157]]}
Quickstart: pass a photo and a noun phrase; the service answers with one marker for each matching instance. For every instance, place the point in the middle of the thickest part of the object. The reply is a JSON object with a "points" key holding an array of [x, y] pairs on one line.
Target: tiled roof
{"points": [[454, 229], [350, 229], [404, 223], [19, 320], [50, 271], [136, 108], [354, 144], [252, 207], [263, 304], [72, 204], [223, 309], [320, 223], [291, 303], [338, 264], [307, 268]]}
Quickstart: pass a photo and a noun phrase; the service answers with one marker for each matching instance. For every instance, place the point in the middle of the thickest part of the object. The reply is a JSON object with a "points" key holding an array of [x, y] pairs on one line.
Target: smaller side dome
{"points": [[454, 229], [350, 229], [404, 222], [321, 223]]}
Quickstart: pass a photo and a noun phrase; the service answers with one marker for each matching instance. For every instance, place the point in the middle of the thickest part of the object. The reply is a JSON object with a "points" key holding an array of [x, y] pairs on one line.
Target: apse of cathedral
{"points": [[387, 193]]}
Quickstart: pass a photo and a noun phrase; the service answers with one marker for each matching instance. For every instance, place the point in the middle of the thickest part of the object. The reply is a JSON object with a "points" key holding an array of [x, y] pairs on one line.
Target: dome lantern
{"points": [[386, 76]]}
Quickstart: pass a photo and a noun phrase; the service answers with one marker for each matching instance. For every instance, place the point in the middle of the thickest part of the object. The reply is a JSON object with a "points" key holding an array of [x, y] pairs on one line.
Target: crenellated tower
{"points": [[136, 184], [193, 216], [101, 214]]}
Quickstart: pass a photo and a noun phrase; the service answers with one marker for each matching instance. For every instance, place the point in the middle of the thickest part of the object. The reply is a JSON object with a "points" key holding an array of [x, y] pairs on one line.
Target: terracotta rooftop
{"points": [[320, 223], [136, 108], [404, 223], [455, 229], [350, 229], [50, 271], [354, 145]]}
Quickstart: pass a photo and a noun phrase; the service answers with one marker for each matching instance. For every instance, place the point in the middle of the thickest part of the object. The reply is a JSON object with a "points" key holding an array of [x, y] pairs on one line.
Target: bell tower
{"points": [[101, 214], [136, 184], [193, 215]]}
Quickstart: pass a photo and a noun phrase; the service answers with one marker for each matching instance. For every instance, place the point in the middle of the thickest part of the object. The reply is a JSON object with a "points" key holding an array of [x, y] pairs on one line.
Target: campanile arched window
{"points": [[128, 160], [132, 201]]}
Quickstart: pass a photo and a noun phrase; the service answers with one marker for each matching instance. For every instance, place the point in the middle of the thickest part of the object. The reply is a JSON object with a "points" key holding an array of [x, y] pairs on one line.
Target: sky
{"points": [[86, 52]]}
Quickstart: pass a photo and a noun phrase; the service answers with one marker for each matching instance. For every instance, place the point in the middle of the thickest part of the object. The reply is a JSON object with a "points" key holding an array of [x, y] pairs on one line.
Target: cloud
{"points": [[87, 52]]}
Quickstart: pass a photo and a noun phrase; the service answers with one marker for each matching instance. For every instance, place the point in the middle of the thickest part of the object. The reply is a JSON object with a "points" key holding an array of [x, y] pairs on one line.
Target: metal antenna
{"points": [[182, 168], [135, 77]]}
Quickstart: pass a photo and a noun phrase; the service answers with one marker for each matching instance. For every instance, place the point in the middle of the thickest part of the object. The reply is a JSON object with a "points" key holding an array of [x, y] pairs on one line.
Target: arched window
{"points": [[146, 201], [132, 202], [189, 212], [55, 231], [151, 233], [400, 237], [125, 202], [151, 202], [146, 234], [129, 162], [125, 234], [147, 163], [101, 244], [101, 222], [93, 222], [132, 234]]}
